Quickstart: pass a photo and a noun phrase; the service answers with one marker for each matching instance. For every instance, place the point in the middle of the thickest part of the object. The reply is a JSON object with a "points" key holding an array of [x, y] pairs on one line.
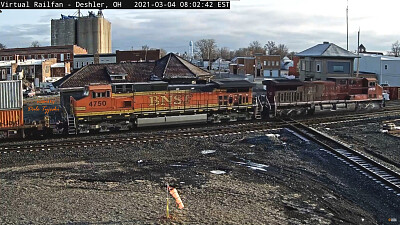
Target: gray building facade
{"points": [[325, 60], [92, 32]]}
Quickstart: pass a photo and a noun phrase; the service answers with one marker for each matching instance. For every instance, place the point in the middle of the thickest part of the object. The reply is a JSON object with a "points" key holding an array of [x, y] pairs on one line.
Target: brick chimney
{"points": [[96, 58]]}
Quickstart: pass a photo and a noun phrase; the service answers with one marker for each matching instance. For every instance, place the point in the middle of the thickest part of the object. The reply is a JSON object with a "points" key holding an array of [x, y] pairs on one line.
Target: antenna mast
{"points": [[347, 23], [358, 53]]}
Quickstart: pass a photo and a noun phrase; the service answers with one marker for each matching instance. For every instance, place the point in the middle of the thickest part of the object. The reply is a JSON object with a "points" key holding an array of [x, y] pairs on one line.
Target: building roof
{"points": [[234, 83], [328, 50], [92, 55], [172, 66], [58, 65], [40, 49], [98, 73]]}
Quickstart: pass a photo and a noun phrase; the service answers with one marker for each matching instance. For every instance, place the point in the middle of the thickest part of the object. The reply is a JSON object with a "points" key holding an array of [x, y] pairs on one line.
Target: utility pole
{"points": [[347, 23], [358, 53]]}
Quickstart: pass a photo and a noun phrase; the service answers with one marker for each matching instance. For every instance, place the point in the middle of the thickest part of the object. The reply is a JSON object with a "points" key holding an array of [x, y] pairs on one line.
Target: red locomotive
{"points": [[295, 97]]}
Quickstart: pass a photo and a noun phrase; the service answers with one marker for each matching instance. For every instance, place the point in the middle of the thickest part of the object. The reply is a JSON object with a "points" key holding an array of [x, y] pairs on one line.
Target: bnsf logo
{"points": [[169, 100]]}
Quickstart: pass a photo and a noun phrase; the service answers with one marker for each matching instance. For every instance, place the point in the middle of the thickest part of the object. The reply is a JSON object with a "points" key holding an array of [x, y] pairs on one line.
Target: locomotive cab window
{"points": [[105, 94], [371, 84], [220, 100], [230, 100]]}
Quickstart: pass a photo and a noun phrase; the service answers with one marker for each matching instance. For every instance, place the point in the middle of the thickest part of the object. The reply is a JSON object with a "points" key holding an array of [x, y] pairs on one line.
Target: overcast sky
{"points": [[299, 24]]}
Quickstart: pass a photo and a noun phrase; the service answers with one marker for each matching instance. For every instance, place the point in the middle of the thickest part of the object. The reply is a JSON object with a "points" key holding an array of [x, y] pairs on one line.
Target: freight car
{"points": [[11, 108], [292, 97], [14, 120], [159, 103]]}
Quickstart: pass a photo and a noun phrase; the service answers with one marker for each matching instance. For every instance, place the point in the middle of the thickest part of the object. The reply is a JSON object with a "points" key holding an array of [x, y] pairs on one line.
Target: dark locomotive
{"points": [[102, 108]]}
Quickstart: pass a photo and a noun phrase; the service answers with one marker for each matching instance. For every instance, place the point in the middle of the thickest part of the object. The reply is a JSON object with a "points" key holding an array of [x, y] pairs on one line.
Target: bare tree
{"points": [[163, 52], [282, 50], [255, 47], [270, 47], [145, 47], [206, 48], [232, 55], [35, 44], [2, 46], [291, 55], [224, 53], [396, 49], [242, 52]]}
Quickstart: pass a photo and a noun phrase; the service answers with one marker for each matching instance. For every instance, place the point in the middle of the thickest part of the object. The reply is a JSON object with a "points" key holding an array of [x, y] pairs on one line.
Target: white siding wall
{"points": [[376, 64]]}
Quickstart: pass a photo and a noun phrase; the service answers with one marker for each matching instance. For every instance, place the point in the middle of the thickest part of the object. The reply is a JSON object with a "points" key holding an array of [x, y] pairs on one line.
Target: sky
{"points": [[299, 24]]}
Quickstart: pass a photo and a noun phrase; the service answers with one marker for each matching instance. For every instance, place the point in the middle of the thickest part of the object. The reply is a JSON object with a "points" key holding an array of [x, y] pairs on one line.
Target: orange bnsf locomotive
{"points": [[105, 108]]}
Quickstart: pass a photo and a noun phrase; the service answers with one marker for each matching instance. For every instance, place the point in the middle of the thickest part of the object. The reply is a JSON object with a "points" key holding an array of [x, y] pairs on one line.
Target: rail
{"points": [[389, 178]]}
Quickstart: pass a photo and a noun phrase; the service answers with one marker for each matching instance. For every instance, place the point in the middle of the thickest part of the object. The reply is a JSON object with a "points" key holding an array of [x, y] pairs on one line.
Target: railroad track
{"points": [[352, 117], [379, 173], [143, 138]]}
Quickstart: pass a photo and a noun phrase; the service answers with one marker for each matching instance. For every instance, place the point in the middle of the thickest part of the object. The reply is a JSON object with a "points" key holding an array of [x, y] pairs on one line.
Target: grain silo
{"points": [[92, 32], [63, 31]]}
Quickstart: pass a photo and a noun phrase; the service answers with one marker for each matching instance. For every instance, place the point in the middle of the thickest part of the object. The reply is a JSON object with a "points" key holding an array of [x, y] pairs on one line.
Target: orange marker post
{"points": [[175, 194]]}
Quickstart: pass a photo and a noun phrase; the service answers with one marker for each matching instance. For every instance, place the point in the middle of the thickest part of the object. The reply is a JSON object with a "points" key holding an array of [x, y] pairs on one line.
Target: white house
{"points": [[220, 64], [86, 59], [386, 68]]}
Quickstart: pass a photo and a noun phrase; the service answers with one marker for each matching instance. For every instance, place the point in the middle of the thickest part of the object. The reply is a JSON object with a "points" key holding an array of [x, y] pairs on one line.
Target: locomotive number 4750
{"points": [[97, 103]]}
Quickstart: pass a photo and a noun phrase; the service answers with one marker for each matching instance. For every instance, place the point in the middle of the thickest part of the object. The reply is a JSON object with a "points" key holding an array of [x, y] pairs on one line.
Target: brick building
{"points": [[61, 53], [33, 68], [259, 65], [267, 65]]}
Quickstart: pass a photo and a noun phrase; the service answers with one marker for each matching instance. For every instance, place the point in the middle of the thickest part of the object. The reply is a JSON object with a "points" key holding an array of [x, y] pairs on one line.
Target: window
{"points": [[386, 66], [265, 63], [225, 100], [371, 84], [338, 68], [273, 63], [230, 100], [68, 56], [269, 63], [303, 65], [220, 100], [127, 104], [119, 88], [77, 64], [318, 68], [48, 56], [277, 63], [343, 82], [81, 64], [3, 58], [10, 58], [108, 94]]}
